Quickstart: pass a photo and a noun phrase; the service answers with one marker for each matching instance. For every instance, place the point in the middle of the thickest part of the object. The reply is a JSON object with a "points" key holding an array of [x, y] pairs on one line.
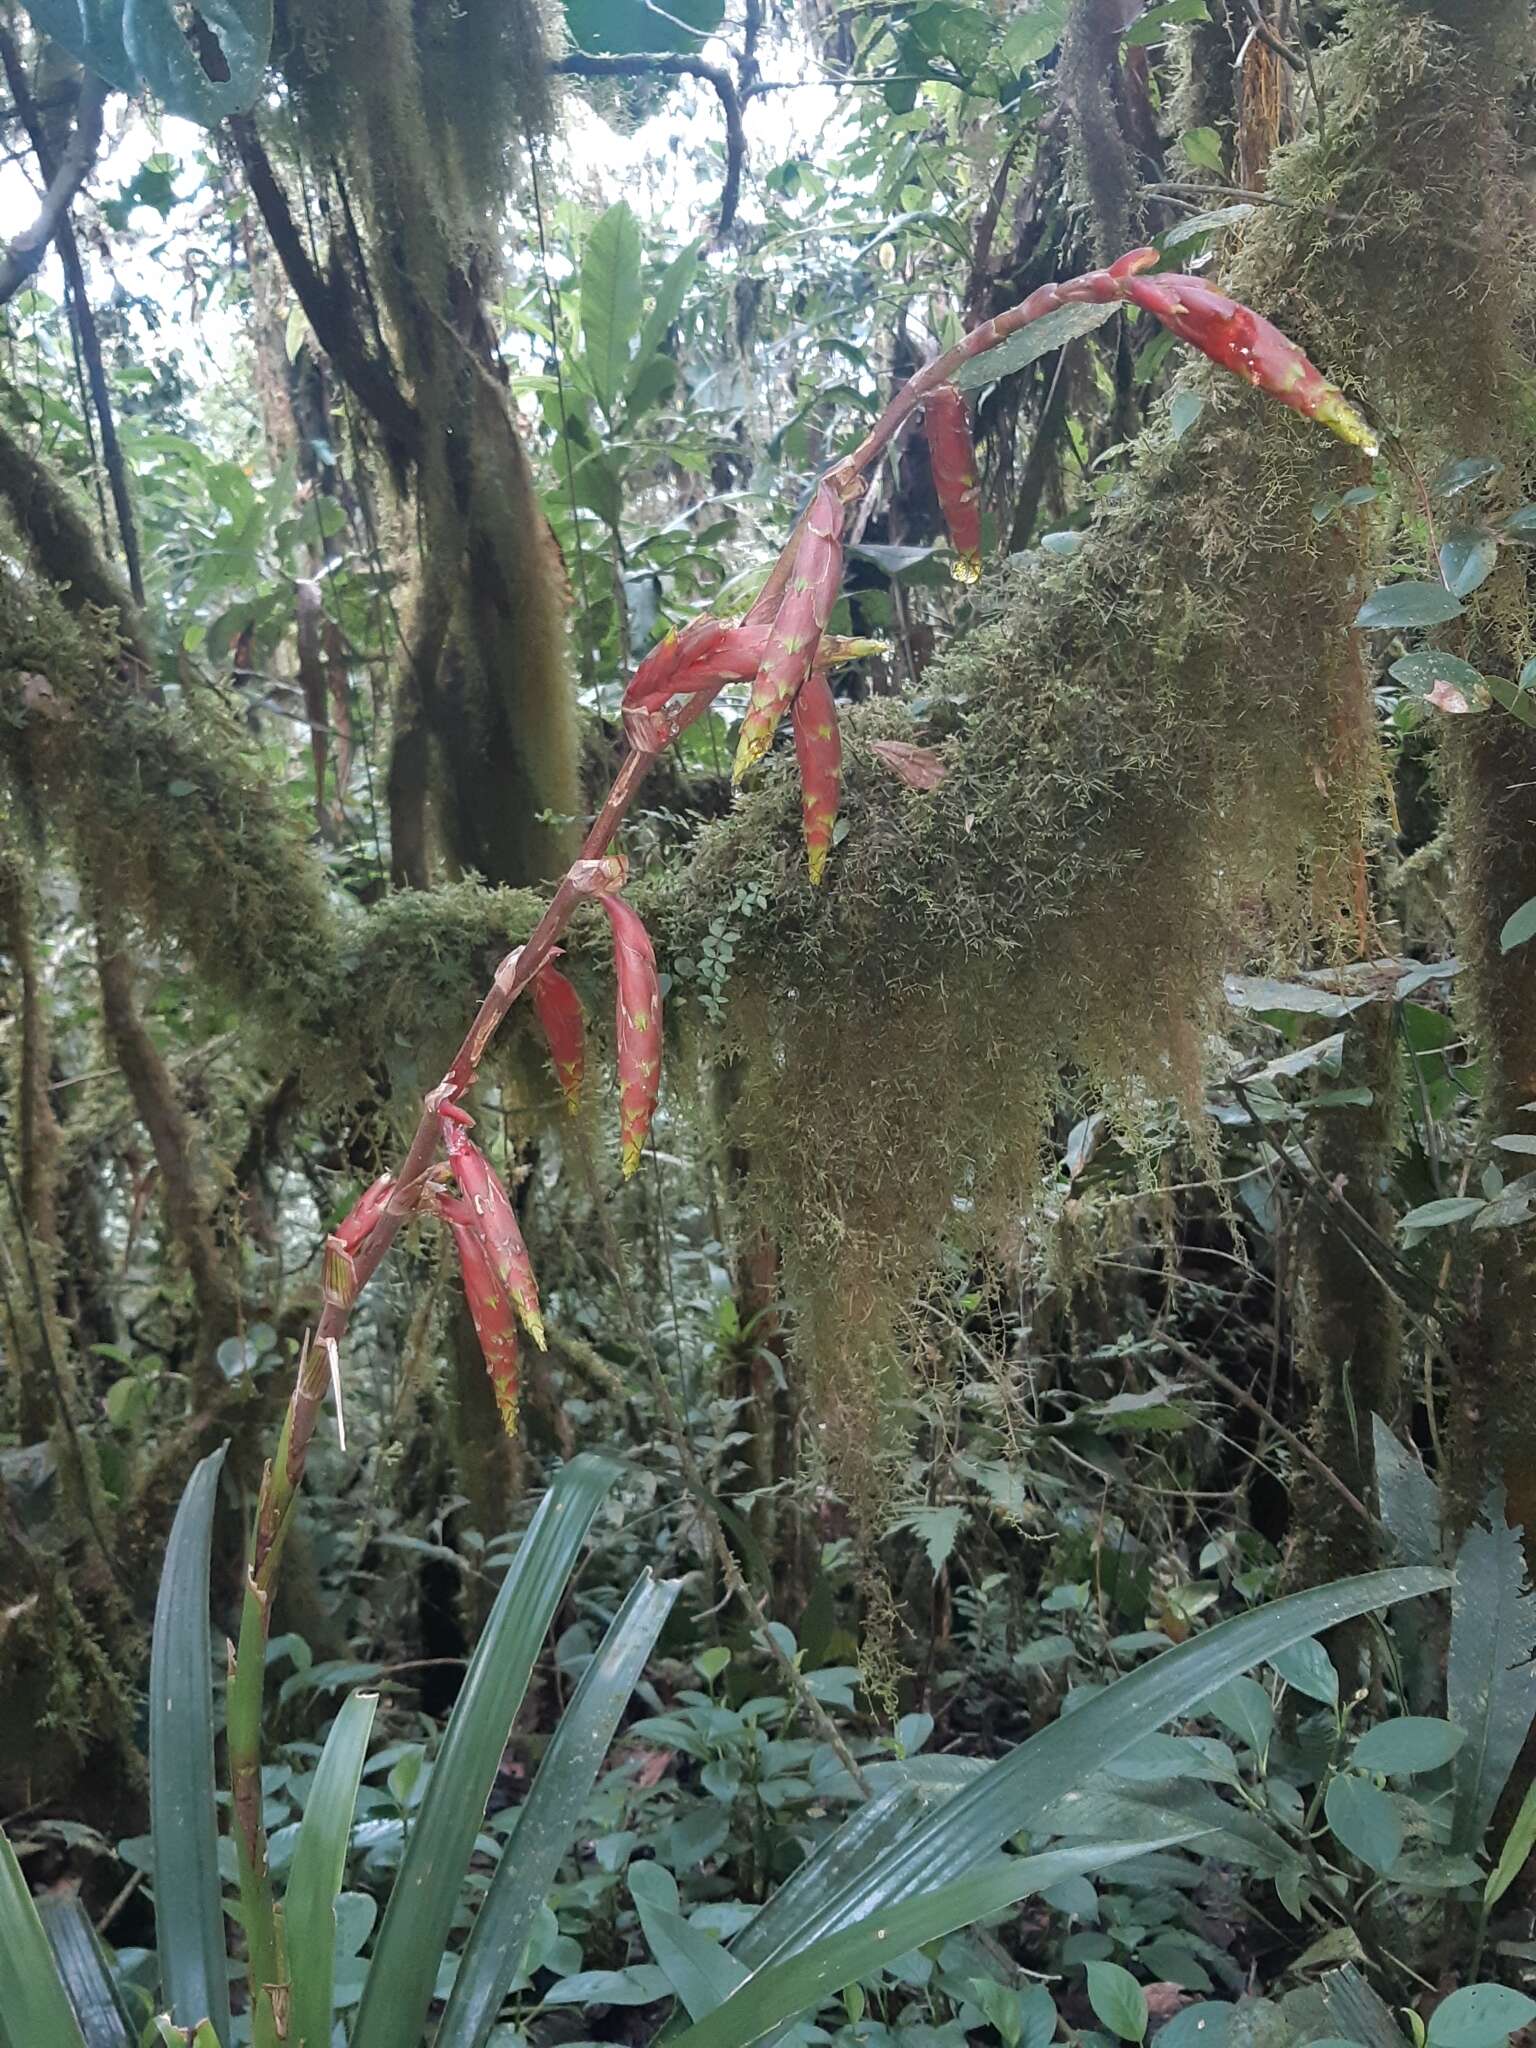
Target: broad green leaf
{"points": [[34, 2009], [1307, 1668], [1413, 1742], [1480, 2016], [610, 301], [798, 1983], [1407, 604], [1426, 666], [1243, 1709], [1160, 18], [1118, 2001], [700, 1971], [1145, 1813], [1518, 1844], [403, 1973], [87, 1980], [1033, 33], [1519, 926], [137, 43], [1009, 1796], [617, 27], [1202, 149], [189, 1916], [668, 302], [531, 1858], [1365, 1821], [1051, 331], [1467, 557], [1490, 1688], [1459, 476], [1436, 1215], [319, 1863]]}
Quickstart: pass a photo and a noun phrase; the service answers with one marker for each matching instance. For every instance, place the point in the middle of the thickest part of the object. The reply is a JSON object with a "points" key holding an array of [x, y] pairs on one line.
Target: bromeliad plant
{"points": [[895, 1876]]}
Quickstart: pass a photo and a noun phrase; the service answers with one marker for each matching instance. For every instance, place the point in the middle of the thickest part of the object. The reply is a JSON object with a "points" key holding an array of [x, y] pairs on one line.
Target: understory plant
{"points": [[899, 1873]]}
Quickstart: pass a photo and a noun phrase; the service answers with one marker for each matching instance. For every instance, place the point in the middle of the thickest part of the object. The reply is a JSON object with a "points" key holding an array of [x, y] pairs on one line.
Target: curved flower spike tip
{"points": [[1251, 347], [563, 1023], [495, 1220], [713, 651], [490, 1307], [797, 627], [637, 1029], [338, 1272], [947, 424], [819, 751]]}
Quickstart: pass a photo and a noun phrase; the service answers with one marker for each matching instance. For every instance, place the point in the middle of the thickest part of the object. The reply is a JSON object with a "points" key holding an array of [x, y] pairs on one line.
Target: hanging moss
{"points": [[429, 111]]}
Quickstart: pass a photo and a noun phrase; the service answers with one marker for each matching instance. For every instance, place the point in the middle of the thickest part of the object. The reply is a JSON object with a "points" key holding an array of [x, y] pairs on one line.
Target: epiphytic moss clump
{"points": [[1161, 753], [160, 807]]}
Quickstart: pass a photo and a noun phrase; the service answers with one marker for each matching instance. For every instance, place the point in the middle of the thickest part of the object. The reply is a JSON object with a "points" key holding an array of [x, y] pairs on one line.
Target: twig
{"points": [[1287, 1436], [74, 274], [579, 65], [27, 251]]}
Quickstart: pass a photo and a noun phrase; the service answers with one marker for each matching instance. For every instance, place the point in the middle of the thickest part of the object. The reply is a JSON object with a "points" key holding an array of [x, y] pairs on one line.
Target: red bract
{"points": [[708, 650], [797, 627], [338, 1273], [563, 1023], [637, 1027], [819, 751], [494, 1218], [490, 1306], [1251, 347], [947, 423]]}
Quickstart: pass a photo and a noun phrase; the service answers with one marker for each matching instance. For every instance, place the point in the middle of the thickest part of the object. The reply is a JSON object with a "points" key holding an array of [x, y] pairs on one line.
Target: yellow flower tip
{"points": [[629, 1159], [1335, 412], [750, 749], [506, 1408], [534, 1325], [966, 568], [816, 861]]}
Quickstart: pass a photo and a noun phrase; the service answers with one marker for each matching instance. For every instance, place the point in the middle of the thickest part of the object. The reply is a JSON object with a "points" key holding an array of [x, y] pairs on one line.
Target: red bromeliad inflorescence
{"points": [[783, 648], [490, 1305], [798, 625], [952, 457], [338, 1271], [563, 1022], [637, 1020], [819, 751], [491, 1208]]}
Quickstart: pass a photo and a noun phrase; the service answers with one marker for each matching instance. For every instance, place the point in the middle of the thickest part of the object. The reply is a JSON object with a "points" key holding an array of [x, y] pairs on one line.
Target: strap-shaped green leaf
{"points": [[33, 2005], [183, 1823], [1013, 1795], [800, 1982], [531, 1859], [83, 1970], [319, 1861], [410, 1942]]}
